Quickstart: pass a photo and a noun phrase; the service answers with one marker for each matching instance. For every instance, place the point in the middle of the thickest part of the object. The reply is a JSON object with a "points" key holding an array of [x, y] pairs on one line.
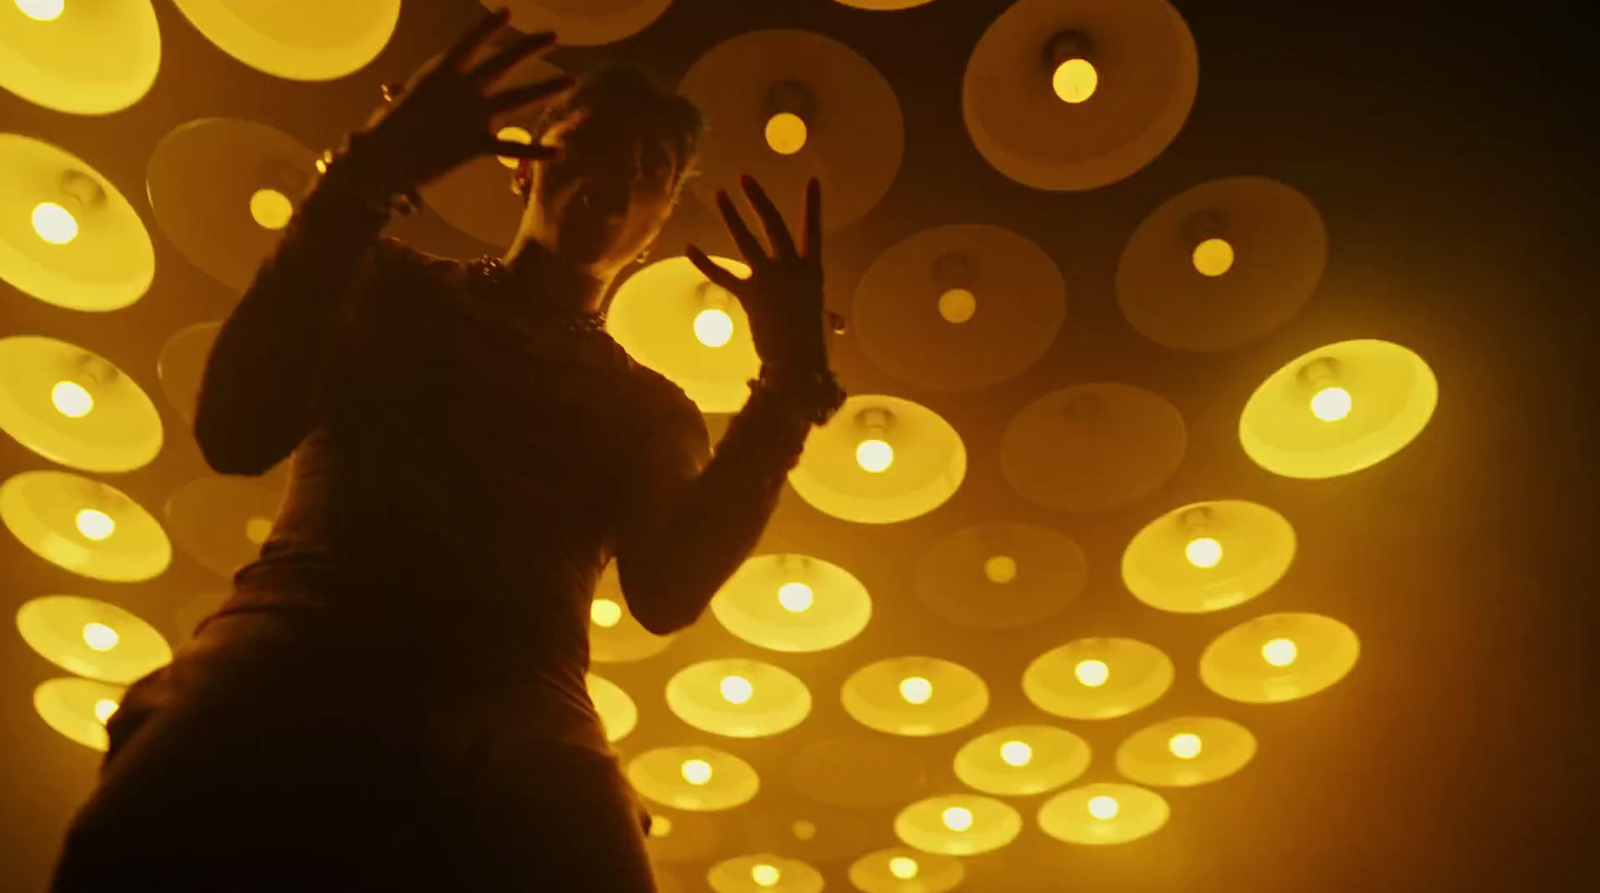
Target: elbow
{"points": [[661, 608], [226, 453]]}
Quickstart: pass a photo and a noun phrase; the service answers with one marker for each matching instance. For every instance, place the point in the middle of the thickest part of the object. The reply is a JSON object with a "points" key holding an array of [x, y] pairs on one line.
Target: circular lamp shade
{"points": [[1103, 814], [1127, 67], [74, 407], [786, 105], [792, 603], [1092, 447], [1208, 556], [1022, 760], [87, 58], [1185, 752], [1098, 678], [1279, 657], [904, 870], [1221, 264], [738, 697], [67, 236], [222, 521], [858, 772], [958, 825], [84, 526], [1338, 409], [662, 317], [764, 872], [92, 638], [916, 696], [614, 635], [617, 712], [302, 40], [956, 308], [920, 458], [223, 189], [583, 22], [182, 365], [695, 778], [1001, 575], [74, 708]]}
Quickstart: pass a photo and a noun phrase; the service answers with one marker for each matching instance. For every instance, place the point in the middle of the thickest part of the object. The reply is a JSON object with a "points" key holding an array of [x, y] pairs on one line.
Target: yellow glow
{"points": [[95, 524], [43, 10], [1016, 753], [786, 133], [71, 400], [605, 612], [1203, 552], [100, 637], [103, 709], [916, 690], [1279, 652], [54, 224], [270, 209], [1092, 673], [957, 819], [1075, 80], [713, 327], [1331, 404], [736, 689], [660, 826], [957, 305], [512, 134], [696, 771], [256, 530], [764, 875], [795, 596], [1103, 807], [1000, 569], [903, 867], [804, 830], [874, 455], [1213, 257], [1184, 746]]}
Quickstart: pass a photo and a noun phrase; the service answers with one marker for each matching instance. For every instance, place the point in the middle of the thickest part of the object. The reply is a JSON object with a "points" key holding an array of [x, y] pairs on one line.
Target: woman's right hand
{"points": [[445, 116]]}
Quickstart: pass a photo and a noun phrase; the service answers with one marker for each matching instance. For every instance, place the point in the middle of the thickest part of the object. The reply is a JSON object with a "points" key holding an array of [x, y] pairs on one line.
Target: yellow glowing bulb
{"points": [[804, 830], [736, 689], [1184, 746], [713, 327], [103, 709], [660, 826], [957, 305], [696, 771], [1016, 753], [786, 133], [512, 135], [605, 612], [1075, 80], [43, 10], [256, 530], [916, 690], [1092, 673], [95, 524], [874, 455], [764, 875], [1000, 569], [957, 818], [54, 224], [795, 596], [1213, 257], [1279, 652], [100, 637], [1103, 807], [1203, 552], [903, 867], [1331, 404], [271, 209], [71, 400]]}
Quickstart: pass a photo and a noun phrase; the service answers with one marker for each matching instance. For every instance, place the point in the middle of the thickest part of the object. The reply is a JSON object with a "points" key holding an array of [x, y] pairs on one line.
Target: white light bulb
{"points": [[1092, 673], [605, 612], [795, 596], [916, 690], [874, 455], [1203, 552], [713, 327], [957, 818], [95, 524], [54, 224], [100, 637], [1016, 753], [71, 399], [737, 689], [696, 771]]}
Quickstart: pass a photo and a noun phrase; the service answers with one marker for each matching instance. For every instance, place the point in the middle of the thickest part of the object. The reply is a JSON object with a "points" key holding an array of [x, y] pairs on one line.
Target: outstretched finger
{"points": [[506, 58], [754, 252], [813, 246], [719, 276], [517, 97], [456, 57], [771, 220], [530, 151]]}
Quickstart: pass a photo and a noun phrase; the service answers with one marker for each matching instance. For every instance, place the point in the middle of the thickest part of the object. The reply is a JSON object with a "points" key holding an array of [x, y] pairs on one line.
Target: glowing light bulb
{"points": [[1184, 746], [95, 524], [1203, 552], [804, 830], [1092, 673], [1016, 753], [696, 771], [736, 689], [957, 305], [100, 637], [1075, 80], [54, 224], [660, 826], [916, 690], [1000, 569], [764, 875], [271, 209], [957, 818], [42, 10], [1103, 807], [795, 596], [786, 133], [71, 400], [713, 327], [256, 530], [1279, 652], [512, 135], [1331, 404], [874, 455], [1213, 257], [903, 867], [103, 709], [605, 612]]}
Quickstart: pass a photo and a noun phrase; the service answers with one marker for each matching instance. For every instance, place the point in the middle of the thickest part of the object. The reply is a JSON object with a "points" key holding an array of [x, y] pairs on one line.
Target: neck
{"points": [[553, 279]]}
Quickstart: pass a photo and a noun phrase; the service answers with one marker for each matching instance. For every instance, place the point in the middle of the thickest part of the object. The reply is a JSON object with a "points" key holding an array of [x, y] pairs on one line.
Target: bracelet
{"points": [[815, 397], [367, 183]]}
